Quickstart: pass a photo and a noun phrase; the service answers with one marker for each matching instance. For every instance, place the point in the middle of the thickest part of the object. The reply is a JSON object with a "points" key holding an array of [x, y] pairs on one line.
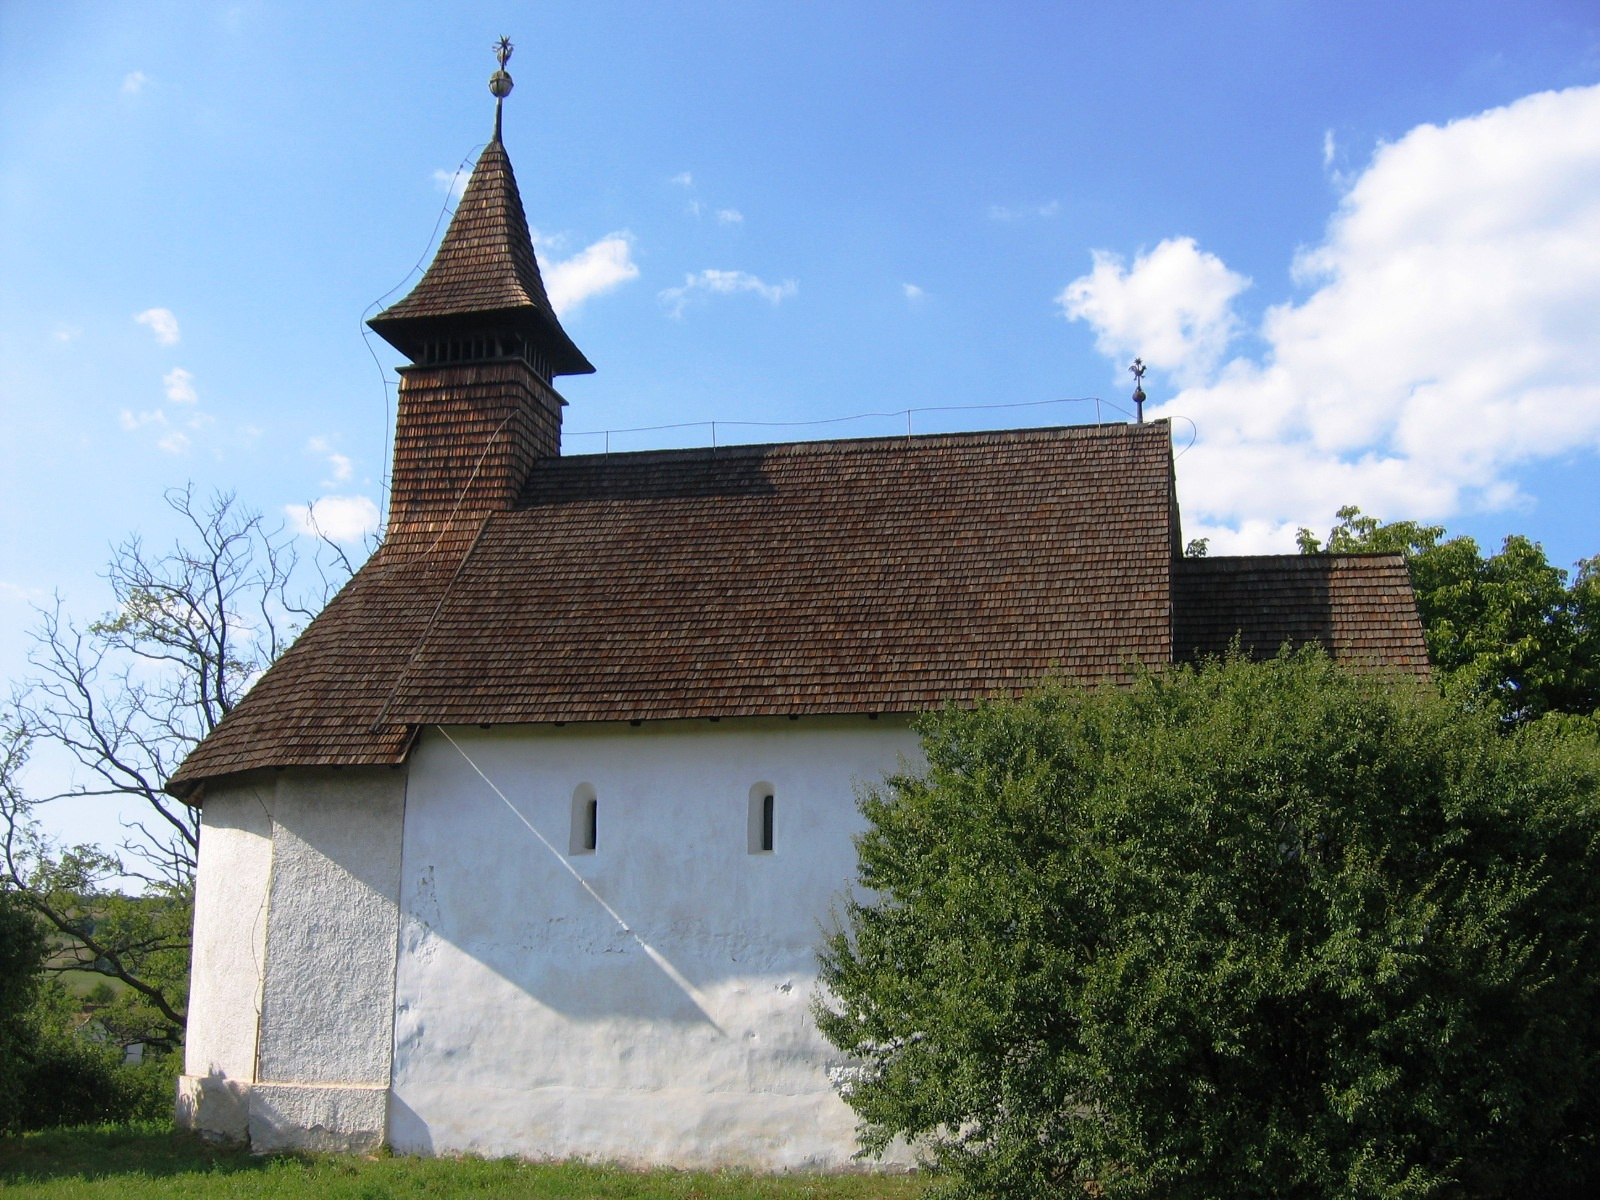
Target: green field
{"points": [[144, 1162]]}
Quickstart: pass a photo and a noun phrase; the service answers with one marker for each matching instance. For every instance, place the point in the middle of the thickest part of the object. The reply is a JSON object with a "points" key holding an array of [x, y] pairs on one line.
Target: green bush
{"points": [[22, 950], [54, 1071], [1244, 930]]}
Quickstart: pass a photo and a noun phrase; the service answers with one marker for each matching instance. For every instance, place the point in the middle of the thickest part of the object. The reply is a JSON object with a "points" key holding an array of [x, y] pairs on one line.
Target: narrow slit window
{"points": [[585, 820], [762, 819]]}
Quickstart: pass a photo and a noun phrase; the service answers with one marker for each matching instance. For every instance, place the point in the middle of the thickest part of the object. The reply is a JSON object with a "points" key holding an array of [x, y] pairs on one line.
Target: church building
{"points": [[526, 846]]}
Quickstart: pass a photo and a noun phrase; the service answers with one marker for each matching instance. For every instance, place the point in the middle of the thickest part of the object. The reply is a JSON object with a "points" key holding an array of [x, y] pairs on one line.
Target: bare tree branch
{"points": [[128, 696]]}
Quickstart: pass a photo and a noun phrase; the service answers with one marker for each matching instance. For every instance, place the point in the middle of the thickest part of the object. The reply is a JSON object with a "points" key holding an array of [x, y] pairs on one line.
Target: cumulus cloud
{"points": [[730, 216], [452, 183], [129, 421], [683, 179], [725, 283], [162, 323], [339, 464], [912, 292], [175, 442], [180, 386], [133, 83], [343, 519], [1173, 307], [1447, 338], [595, 269]]}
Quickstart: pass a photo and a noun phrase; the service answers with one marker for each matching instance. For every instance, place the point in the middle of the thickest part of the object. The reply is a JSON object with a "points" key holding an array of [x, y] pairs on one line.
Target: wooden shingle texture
{"points": [[1358, 607], [823, 577]]}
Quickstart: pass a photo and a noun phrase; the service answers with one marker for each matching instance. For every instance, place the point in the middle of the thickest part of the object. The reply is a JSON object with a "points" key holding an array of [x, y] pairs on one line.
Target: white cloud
{"points": [[1448, 338], [161, 323], [1172, 307], [133, 83], [730, 216], [1332, 156], [912, 292], [130, 422], [725, 283], [340, 464], [180, 386], [175, 443], [682, 179], [27, 595], [1004, 212], [342, 519], [66, 333], [595, 269], [452, 183]]}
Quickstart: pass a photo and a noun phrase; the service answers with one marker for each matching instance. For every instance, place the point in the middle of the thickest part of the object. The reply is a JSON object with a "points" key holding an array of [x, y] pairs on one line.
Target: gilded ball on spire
{"points": [[500, 81]]}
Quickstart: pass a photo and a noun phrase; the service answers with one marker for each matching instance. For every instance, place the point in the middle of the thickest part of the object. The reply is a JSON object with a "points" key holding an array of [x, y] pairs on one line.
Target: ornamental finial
{"points": [[1138, 389], [500, 81]]}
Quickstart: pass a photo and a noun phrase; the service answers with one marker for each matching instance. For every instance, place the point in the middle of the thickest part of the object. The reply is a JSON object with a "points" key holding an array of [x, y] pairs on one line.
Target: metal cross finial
{"points": [[1138, 389], [502, 50]]}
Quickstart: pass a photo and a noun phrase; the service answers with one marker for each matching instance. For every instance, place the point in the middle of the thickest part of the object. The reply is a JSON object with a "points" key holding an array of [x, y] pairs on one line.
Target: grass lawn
{"points": [[144, 1162]]}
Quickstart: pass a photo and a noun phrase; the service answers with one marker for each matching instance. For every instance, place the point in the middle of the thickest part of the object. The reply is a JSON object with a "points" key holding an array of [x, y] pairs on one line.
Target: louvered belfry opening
{"points": [[477, 408]]}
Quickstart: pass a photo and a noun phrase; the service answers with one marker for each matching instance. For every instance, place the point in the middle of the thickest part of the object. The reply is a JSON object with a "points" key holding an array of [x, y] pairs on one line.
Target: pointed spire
{"points": [[483, 295]]}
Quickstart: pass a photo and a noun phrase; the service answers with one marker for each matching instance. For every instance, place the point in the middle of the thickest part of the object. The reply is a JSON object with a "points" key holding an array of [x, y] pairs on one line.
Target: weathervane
{"points": [[1138, 389], [500, 81]]}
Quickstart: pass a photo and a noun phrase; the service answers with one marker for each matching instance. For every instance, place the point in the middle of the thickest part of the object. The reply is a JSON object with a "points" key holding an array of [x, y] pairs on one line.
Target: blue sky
{"points": [[1358, 243]]}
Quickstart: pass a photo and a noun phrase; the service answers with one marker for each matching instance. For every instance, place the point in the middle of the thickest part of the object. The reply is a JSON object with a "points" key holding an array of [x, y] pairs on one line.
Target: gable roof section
{"points": [[1358, 607], [883, 575]]}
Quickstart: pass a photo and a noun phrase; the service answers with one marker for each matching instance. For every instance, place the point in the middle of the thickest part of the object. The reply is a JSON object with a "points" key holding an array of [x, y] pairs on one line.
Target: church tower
{"points": [[477, 407]]}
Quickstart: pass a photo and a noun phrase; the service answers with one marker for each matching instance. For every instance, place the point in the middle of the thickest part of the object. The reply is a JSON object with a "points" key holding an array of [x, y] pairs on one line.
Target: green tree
{"points": [[1507, 628], [1246, 929]]}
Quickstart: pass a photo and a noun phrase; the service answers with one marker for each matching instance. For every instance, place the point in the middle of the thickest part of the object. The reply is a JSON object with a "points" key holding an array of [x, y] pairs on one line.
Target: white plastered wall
{"points": [[327, 1004], [291, 1012], [658, 1010], [230, 927]]}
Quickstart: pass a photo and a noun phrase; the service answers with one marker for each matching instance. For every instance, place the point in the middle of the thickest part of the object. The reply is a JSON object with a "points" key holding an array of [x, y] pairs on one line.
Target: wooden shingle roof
{"points": [[883, 575], [1358, 607]]}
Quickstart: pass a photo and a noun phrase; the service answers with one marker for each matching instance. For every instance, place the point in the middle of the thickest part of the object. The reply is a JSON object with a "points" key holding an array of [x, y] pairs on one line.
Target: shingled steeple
{"points": [[483, 296], [476, 404]]}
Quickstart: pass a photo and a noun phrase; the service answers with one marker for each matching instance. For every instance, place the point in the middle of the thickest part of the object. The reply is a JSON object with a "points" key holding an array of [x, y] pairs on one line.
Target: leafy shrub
{"points": [[1245, 930], [53, 1070], [22, 950]]}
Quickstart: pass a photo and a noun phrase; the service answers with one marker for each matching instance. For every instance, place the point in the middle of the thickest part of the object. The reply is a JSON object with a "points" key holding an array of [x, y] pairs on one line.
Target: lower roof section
{"points": [[1358, 607]]}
